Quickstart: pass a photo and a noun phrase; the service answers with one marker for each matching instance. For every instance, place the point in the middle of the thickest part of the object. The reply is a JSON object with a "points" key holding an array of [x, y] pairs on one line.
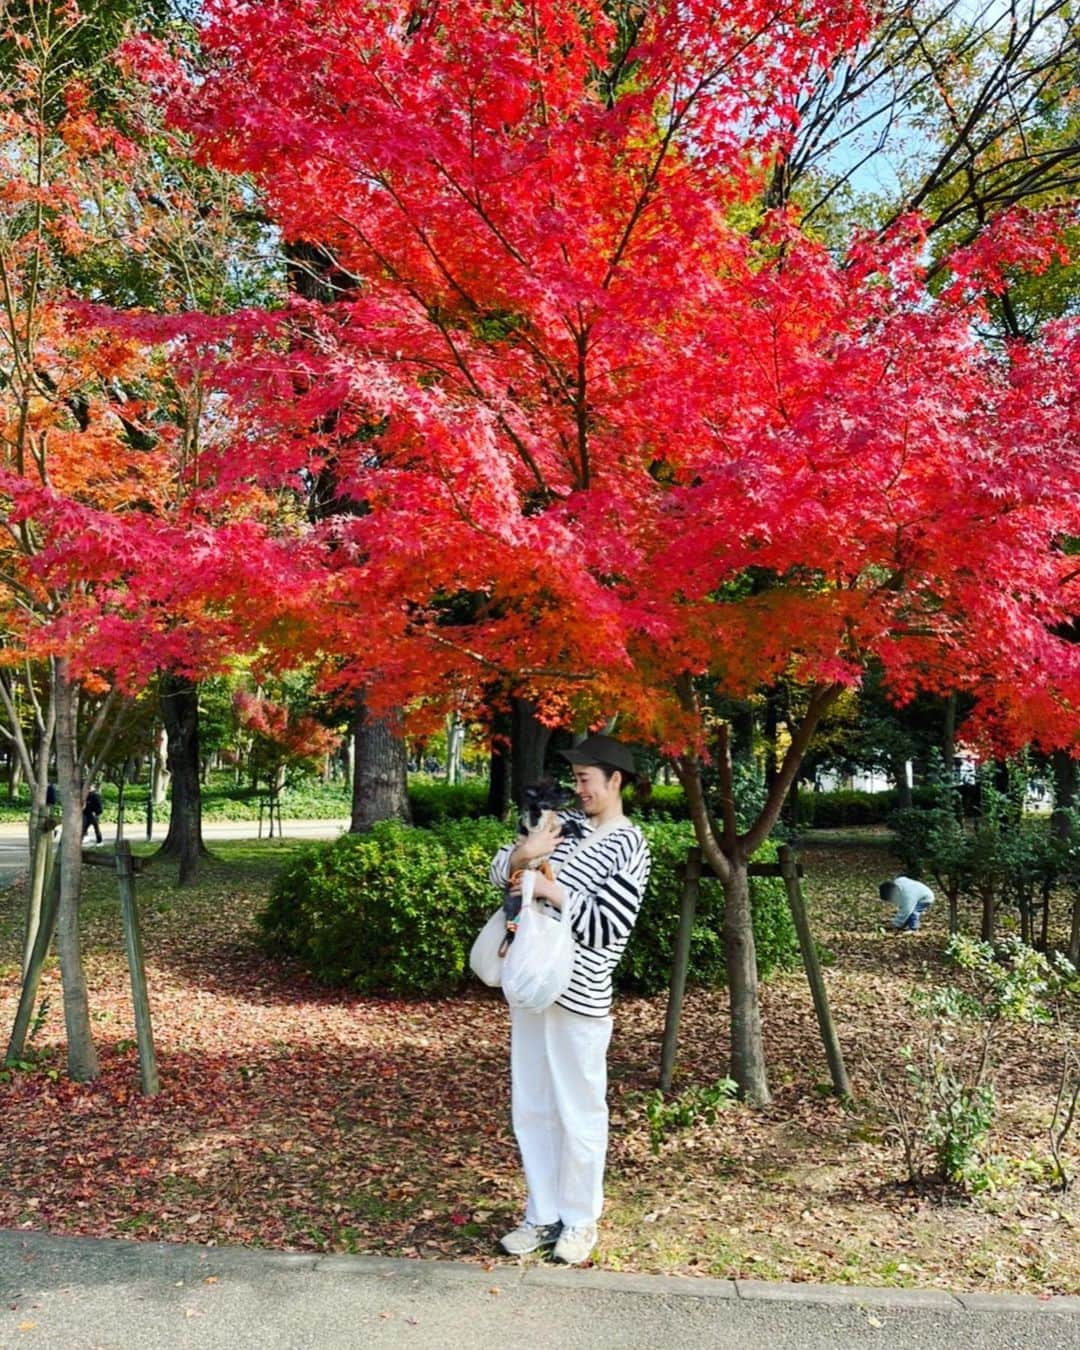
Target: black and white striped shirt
{"points": [[605, 884]]}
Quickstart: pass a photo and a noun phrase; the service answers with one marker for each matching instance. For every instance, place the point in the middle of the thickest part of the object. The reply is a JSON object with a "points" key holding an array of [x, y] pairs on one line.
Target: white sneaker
{"points": [[575, 1245], [530, 1237]]}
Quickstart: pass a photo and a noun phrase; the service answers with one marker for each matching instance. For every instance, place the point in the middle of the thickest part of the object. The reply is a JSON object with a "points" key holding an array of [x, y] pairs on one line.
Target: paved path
{"points": [[14, 855], [83, 1294]]}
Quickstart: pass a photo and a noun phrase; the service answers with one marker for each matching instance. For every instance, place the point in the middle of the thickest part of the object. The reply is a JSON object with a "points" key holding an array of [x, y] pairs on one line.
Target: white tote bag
{"points": [[538, 967], [484, 959]]}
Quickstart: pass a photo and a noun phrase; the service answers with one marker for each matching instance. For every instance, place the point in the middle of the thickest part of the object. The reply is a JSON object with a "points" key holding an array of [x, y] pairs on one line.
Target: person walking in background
{"points": [[91, 816], [558, 1057], [911, 898]]}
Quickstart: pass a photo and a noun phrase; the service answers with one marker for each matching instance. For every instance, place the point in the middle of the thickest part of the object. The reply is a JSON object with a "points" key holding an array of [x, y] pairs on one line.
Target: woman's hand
{"points": [[540, 844], [543, 888], [551, 891]]}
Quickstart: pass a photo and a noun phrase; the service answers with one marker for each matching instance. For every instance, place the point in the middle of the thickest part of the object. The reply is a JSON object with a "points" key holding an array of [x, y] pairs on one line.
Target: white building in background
{"points": [[862, 780], [965, 766]]}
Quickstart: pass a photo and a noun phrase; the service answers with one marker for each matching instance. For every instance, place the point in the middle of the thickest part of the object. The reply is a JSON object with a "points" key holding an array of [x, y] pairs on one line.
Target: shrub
{"points": [[694, 1105], [847, 809], [999, 857], [665, 800], [431, 802], [396, 910], [393, 910], [943, 1113]]}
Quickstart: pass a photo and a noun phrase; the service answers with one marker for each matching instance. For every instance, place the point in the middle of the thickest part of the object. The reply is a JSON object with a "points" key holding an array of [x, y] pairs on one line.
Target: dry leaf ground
{"points": [[294, 1116]]}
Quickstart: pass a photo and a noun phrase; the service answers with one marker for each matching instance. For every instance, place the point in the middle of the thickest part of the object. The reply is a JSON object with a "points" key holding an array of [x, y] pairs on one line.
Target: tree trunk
{"points": [[747, 1053], [180, 713], [728, 854], [1074, 936], [528, 746], [380, 771], [771, 731], [40, 844], [82, 1056], [989, 908], [948, 740], [499, 764], [120, 793], [742, 734], [1044, 902], [40, 849], [1064, 767], [159, 767], [904, 797], [455, 748]]}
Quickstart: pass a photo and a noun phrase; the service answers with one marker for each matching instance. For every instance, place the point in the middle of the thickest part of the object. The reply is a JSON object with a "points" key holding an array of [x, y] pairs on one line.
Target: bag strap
{"points": [[608, 827]]}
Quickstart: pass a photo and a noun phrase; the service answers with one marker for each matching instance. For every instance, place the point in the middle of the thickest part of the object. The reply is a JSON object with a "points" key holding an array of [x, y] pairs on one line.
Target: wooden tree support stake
{"points": [[40, 868], [681, 965], [694, 870], [272, 806], [50, 908], [144, 1032], [790, 872]]}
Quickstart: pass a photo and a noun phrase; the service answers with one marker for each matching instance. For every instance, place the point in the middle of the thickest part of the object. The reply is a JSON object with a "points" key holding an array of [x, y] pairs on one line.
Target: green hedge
{"points": [[666, 800], [396, 910], [841, 810], [431, 802]]}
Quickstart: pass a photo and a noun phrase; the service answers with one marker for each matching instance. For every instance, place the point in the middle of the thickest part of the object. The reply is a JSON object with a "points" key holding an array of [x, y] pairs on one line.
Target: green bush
{"points": [[844, 810], [696, 1104], [396, 910], [393, 910], [664, 800], [431, 801]]}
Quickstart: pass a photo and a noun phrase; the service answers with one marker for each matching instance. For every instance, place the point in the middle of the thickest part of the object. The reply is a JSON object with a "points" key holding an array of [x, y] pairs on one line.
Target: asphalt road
{"points": [[83, 1294]]}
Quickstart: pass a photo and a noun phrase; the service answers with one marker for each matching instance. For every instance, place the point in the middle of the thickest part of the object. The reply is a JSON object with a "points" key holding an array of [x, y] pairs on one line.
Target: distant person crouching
{"points": [[911, 898]]}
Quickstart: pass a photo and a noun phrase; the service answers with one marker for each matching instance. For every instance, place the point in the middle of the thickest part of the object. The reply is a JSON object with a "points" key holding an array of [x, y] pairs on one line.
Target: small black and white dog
{"points": [[542, 802]]}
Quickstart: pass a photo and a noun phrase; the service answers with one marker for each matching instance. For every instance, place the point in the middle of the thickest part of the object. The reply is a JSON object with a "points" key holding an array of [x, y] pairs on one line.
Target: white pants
{"points": [[558, 1081]]}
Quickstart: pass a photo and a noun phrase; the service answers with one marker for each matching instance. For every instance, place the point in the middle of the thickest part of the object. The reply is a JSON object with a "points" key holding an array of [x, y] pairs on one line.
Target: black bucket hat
{"points": [[603, 751]]}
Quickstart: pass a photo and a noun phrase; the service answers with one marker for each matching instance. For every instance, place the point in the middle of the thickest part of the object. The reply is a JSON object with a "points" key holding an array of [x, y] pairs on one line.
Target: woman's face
{"points": [[595, 792]]}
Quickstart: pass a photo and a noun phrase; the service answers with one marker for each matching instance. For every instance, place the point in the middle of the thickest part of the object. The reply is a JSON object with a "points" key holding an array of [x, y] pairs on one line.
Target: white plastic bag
{"points": [[484, 959], [537, 968]]}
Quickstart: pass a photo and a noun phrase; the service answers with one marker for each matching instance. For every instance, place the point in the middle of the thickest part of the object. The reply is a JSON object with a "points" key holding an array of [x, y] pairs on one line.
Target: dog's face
{"points": [[542, 800]]}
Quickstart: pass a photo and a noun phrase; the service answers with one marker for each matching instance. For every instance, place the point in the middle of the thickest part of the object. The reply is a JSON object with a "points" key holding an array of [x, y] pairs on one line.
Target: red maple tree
{"points": [[620, 435], [115, 560]]}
